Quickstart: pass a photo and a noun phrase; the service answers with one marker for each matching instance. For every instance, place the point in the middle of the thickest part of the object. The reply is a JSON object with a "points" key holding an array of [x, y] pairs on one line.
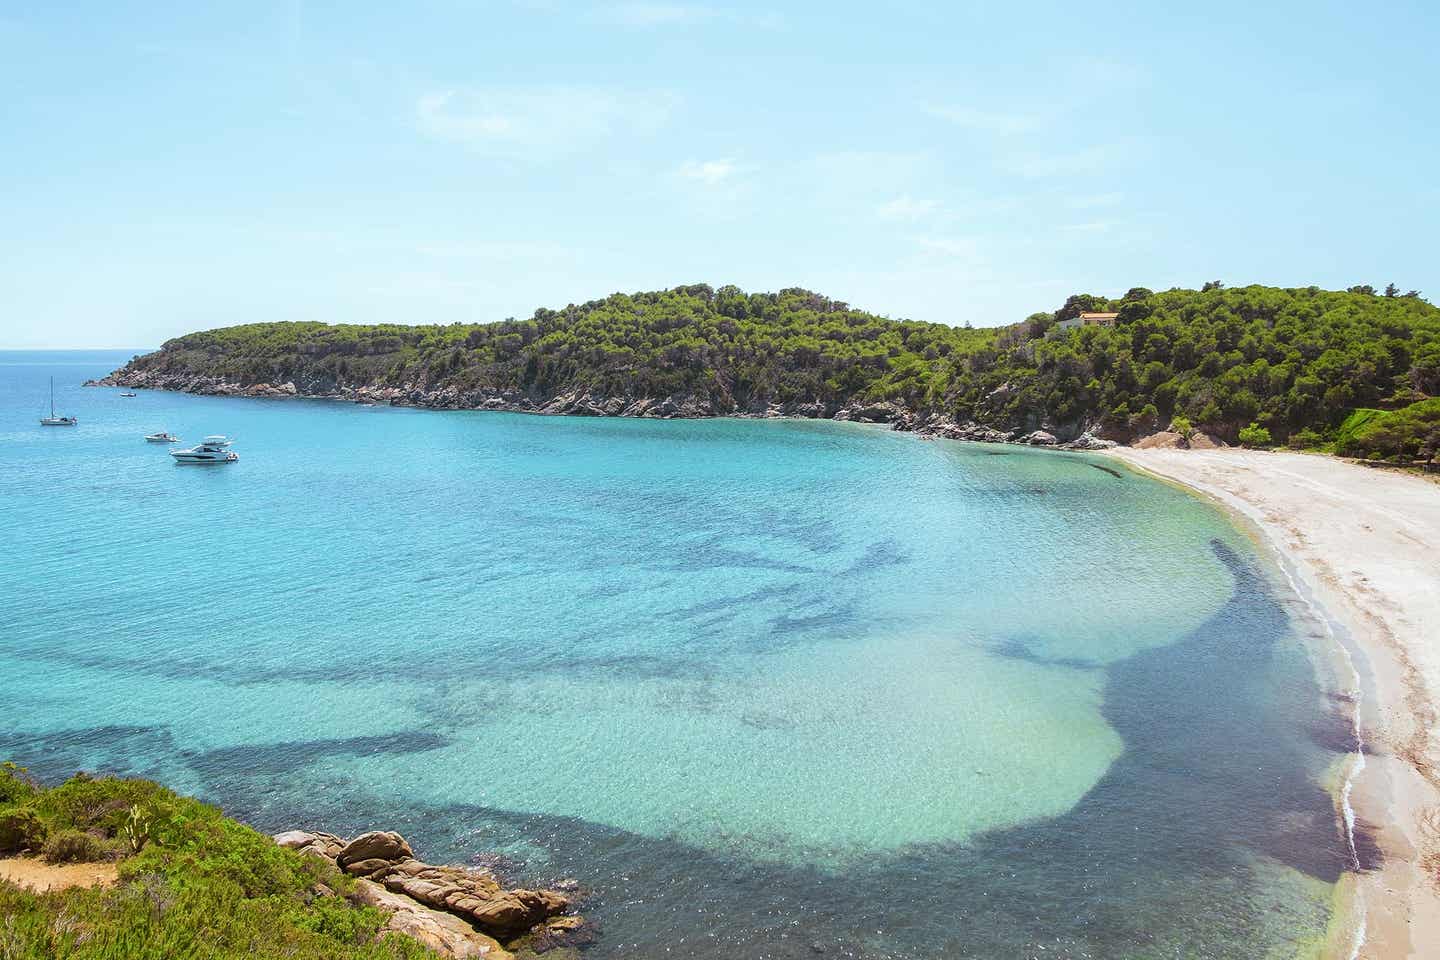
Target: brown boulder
{"points": [[375, 845], [367, 868], [447, 935]]}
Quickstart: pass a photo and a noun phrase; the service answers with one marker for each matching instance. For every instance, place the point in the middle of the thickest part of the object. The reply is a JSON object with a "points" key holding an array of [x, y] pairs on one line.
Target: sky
{"points": [[173, 166]]}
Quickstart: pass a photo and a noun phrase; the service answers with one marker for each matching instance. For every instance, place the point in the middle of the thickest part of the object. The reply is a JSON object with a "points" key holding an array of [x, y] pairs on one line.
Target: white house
{"points": [[1088, 320]]}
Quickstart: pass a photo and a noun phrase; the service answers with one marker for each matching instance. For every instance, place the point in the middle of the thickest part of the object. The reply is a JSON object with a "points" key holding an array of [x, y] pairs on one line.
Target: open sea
{"points": [[765, 689]]}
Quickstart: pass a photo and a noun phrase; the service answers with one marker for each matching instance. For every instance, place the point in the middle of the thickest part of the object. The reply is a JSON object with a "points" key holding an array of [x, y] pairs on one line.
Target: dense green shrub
{"points": [[21, 831], [1353, 424], [1255, 436], [201, 886], [75, 846], [88, 803], [15, 784], [1411, 433]]}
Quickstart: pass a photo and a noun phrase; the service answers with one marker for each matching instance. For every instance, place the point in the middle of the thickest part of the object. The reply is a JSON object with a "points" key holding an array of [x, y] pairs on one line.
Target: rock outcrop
{"points": [[1088, 441], [457, 911], [1170, 439], [442, 932], [377, 845], [585, 403]]}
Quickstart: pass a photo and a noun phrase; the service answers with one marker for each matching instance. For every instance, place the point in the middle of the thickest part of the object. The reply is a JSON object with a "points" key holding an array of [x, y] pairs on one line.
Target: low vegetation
{"points": [[192, 883], [1407, 435], [1293, 362]]}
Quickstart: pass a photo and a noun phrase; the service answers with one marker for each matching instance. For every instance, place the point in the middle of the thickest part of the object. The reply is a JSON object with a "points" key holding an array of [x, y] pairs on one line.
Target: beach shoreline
{"points": [[1360, 542]]}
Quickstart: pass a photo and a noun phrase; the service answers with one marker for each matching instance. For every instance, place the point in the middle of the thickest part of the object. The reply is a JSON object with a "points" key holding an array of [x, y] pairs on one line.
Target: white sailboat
{"points": [[52, 420]]}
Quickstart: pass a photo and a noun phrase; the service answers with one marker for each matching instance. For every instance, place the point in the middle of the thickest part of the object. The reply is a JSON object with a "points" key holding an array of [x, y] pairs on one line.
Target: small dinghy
{"points": [[161, 437], [127, 394]]}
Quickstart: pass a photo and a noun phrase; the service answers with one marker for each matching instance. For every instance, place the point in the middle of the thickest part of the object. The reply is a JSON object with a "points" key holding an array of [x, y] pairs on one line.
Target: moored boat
{"points": [[210, 450], [161, 437], [52, 420]]}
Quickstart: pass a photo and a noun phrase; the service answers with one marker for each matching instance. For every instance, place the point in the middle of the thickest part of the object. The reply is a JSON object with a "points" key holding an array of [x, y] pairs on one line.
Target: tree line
{"points": [[1289, 361]]}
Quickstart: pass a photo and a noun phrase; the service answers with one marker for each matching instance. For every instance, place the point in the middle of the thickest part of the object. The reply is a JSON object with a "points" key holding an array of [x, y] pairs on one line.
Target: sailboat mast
{"points": [[52, 398]]}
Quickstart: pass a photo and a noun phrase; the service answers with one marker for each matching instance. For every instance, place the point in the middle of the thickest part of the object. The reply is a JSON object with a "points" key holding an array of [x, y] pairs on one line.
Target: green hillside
{"points": [[1287, 359]]}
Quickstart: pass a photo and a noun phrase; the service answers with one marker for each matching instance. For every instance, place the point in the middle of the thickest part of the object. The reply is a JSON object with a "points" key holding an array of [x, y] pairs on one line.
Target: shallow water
{"points": [[765, 688]]}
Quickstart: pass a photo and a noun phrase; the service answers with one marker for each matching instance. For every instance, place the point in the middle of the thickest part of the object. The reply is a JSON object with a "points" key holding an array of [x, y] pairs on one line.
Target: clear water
{"points": [[767, 689]]}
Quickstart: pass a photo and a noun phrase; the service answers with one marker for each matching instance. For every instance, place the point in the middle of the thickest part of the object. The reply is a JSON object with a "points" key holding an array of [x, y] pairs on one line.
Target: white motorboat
{"points": [[127, 394], [52, 420], [210, 450], [161, 437]]}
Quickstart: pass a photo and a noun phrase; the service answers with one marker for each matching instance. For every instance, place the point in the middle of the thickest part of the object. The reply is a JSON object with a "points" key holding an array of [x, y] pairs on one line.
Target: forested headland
{"points": [[1284, 364]]}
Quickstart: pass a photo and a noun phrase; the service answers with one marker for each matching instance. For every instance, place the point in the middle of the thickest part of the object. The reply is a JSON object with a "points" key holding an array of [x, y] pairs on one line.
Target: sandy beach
{"points": [[1366, 543]]}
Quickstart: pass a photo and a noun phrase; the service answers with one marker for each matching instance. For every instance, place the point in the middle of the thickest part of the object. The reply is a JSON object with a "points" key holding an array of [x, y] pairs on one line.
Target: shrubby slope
{"points": [[1288, 359]]}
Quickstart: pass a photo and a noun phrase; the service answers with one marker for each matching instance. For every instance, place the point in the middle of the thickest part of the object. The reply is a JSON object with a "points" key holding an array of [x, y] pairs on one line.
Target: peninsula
{"points": [[1293, 362]]}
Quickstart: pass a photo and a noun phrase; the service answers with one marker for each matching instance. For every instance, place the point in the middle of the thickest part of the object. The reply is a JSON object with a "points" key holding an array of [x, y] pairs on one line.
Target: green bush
{"points": [[89, 803], [1409, 433], [1305, 440], [15, 784], [21, 831], [75, 846], [1255, 436], [201, 885], [1353, 424], [1185, 428]]}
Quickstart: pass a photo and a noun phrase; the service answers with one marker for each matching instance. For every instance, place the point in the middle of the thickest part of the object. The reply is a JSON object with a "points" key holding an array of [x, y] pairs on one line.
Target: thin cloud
{"points": [[869, 178], [1005, 124], [709, 172], [1093, 200], [498, 250], [1093, 226], [1083, 161], [905, 208], [523, 119], [964, 247], [655, 15]]}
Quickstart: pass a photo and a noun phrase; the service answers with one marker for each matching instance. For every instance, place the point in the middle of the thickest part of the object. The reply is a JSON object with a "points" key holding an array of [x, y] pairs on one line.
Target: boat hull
{"points": [[202, 460]]}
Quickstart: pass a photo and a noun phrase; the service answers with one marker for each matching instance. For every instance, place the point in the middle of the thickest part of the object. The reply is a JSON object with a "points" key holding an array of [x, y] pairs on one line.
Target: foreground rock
{"points": [[456, 911], [442, 932]]}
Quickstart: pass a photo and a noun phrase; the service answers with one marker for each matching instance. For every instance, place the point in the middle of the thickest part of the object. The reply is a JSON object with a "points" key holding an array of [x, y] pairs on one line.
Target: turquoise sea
{"points": [[765, 689]]}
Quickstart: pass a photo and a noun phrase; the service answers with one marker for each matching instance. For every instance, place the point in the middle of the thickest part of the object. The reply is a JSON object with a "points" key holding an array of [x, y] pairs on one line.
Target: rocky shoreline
{"points": [[456, 911], [581, 403]]}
